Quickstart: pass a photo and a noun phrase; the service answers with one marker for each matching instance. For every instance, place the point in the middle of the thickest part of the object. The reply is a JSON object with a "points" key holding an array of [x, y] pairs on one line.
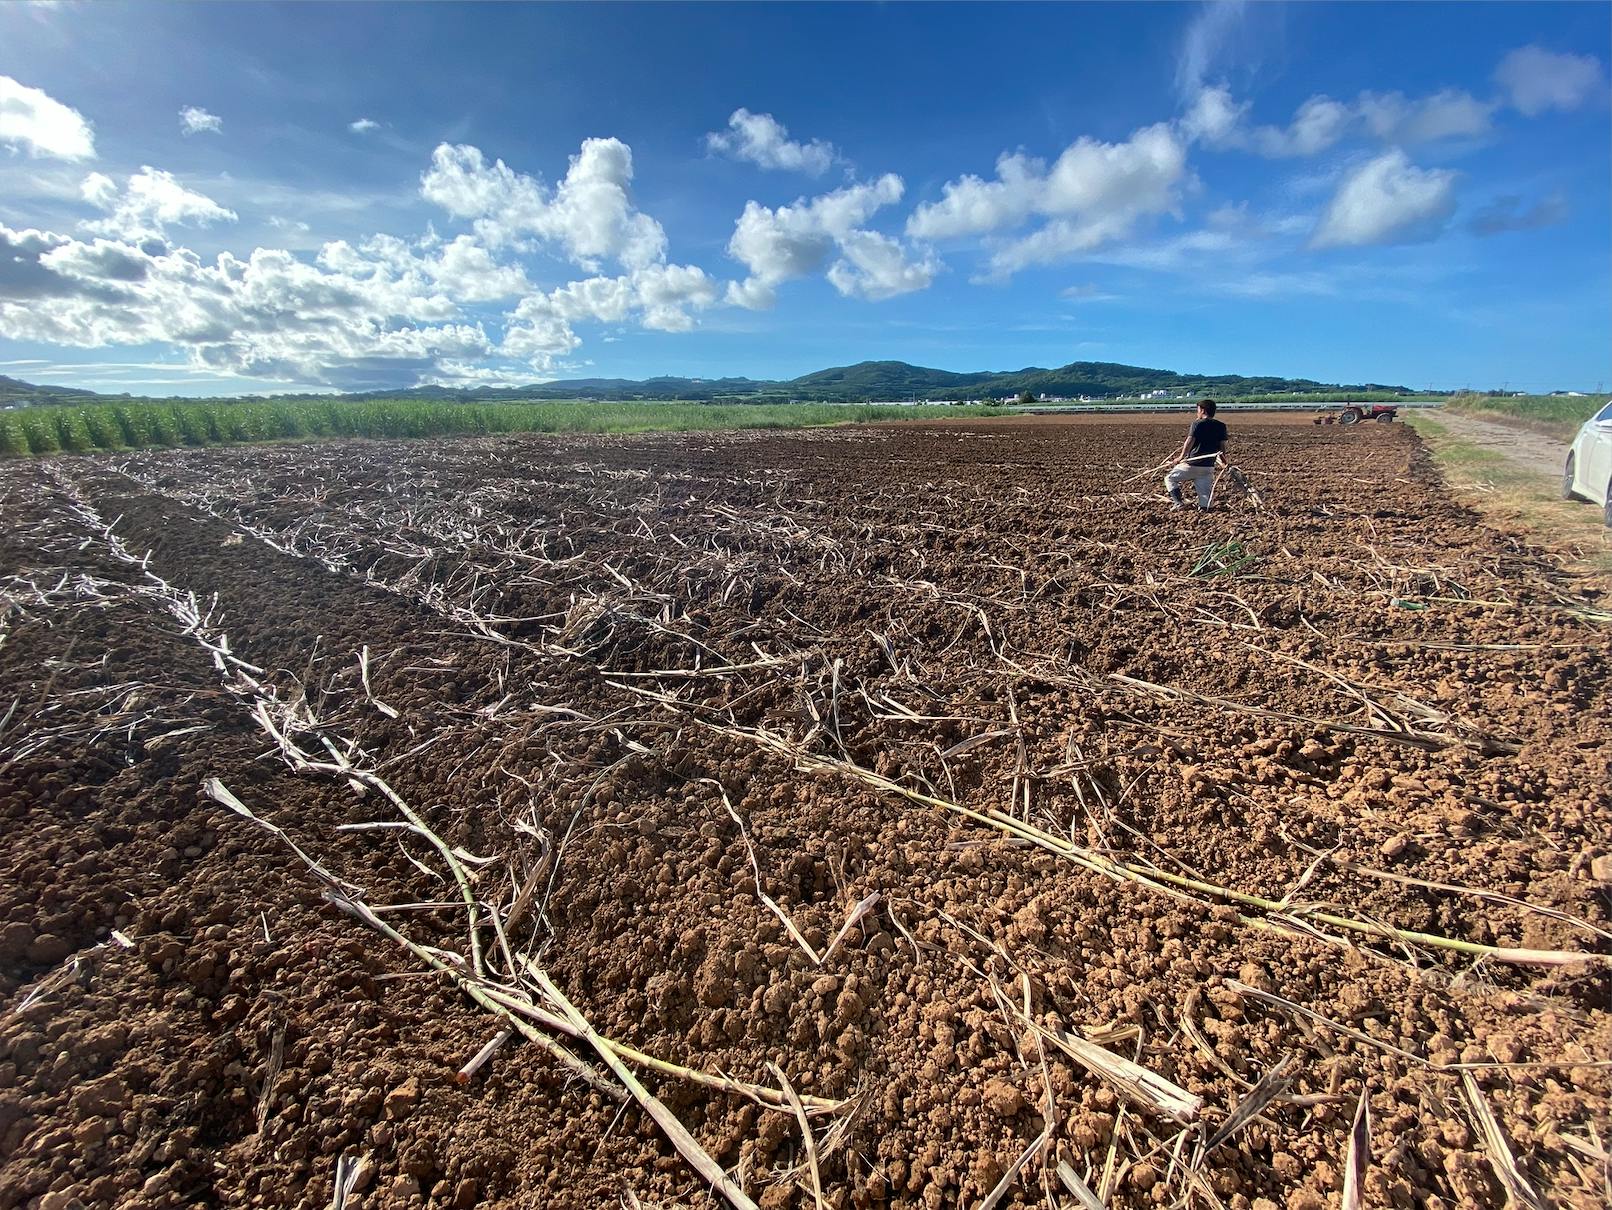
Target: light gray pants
{"points": [[1201, 477]]}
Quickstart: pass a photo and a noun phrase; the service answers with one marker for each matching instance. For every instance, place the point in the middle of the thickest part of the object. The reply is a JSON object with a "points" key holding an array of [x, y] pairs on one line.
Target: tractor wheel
{"points": [[1349, 416], [1569, 492], [1383, 417]]}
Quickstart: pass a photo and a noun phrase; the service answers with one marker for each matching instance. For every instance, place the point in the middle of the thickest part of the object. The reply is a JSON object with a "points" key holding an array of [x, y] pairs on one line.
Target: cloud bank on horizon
{"points": [[509, 276]]}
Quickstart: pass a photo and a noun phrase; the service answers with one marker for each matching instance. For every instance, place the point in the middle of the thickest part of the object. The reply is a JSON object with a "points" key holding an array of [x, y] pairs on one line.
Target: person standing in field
{"points": [[1206, 442]]}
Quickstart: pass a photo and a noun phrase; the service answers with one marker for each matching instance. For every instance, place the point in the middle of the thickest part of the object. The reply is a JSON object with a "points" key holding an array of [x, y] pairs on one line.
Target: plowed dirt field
{"points": [[922, 815]]}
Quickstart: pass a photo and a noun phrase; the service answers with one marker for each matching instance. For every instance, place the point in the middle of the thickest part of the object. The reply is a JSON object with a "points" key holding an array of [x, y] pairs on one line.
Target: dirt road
{"points": [[1529, 450]]}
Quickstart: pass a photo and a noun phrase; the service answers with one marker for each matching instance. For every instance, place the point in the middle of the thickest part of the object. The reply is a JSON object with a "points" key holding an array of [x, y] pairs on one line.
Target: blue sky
{"points": [[200, 199]]}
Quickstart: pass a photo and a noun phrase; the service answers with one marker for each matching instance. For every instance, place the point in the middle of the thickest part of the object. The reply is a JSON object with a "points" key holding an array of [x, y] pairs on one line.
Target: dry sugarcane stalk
{"points": [[805, 1131], [1105, 1187], [1359, 1158], [1049, 1108], [1011, 1176], [1146, 1088], [465, 1073], [528, 889], [686, 1144], [768, 1098], [342, 767], [1429, 714], [521, 1012], [1416, 739], [1083, 1193], [271, 1072], [1453, 888], [1272, 1086], [343, 896], [1149, 876], [1590, 1149], [1152, 876], [761, 891], [1195, 1036], [1496, 1150], [864, 905], [347, 1169], [220, 793], [1242, 989], [363, 676]]}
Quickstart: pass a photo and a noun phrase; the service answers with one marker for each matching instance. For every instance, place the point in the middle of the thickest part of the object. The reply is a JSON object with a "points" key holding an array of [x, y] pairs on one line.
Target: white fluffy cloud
{"points": [[459, 270], [660, 296], [268, 315], [99, 190], [665, 292], [1213, 117], [376, 312], [1092, 194], [1387, 200], [973, 206], [1317, 124], [1216, 120], [776, 244], [1449, 114], [451, 372], [877, 267], [589, 216], [761, 139], [39, 125], [470, 274], [537, 332], [151, 201], [363, 125], [26, 277], [1058, 240], [1532, 80], [1536, 80], [193, 120]]}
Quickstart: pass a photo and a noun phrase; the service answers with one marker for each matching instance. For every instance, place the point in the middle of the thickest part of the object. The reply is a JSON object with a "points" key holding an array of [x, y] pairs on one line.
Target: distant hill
{"points": [[892, 380], [898, 380], [1110, 378], [14, 390], [884, 380], [865, 381]]}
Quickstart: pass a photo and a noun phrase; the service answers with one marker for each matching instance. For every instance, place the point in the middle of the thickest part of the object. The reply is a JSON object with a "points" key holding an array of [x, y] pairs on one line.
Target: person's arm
{"points": [[1185, 446]]}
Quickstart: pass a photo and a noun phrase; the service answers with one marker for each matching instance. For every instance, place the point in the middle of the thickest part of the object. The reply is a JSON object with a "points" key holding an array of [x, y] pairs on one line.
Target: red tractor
{"points": [[1354, 413]]}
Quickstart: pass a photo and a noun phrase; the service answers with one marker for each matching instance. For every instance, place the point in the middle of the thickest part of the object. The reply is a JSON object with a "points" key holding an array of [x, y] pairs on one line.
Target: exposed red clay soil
{"points": [[1217, 770]]}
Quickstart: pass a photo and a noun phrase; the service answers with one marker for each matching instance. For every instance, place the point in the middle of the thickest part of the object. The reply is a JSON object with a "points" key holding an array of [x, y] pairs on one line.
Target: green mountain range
{"points": [[14, 390], [865, 381]]}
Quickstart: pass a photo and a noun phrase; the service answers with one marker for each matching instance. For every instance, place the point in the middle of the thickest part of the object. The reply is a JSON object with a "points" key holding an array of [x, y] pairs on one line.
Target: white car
{"points": [[1589, 463]]}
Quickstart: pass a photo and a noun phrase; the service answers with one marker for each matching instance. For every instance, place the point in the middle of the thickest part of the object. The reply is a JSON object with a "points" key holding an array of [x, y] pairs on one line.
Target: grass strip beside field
{"points": [[1518, 497], [59, 429], [1556, 415]]}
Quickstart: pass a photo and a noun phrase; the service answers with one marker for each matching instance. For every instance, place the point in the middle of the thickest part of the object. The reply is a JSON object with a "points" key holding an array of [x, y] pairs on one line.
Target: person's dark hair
{"points": [[1207, 406]]}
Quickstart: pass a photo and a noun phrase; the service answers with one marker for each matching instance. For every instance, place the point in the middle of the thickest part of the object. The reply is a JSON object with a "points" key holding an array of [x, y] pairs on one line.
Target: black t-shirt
{"points": [[1208, 439]]}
